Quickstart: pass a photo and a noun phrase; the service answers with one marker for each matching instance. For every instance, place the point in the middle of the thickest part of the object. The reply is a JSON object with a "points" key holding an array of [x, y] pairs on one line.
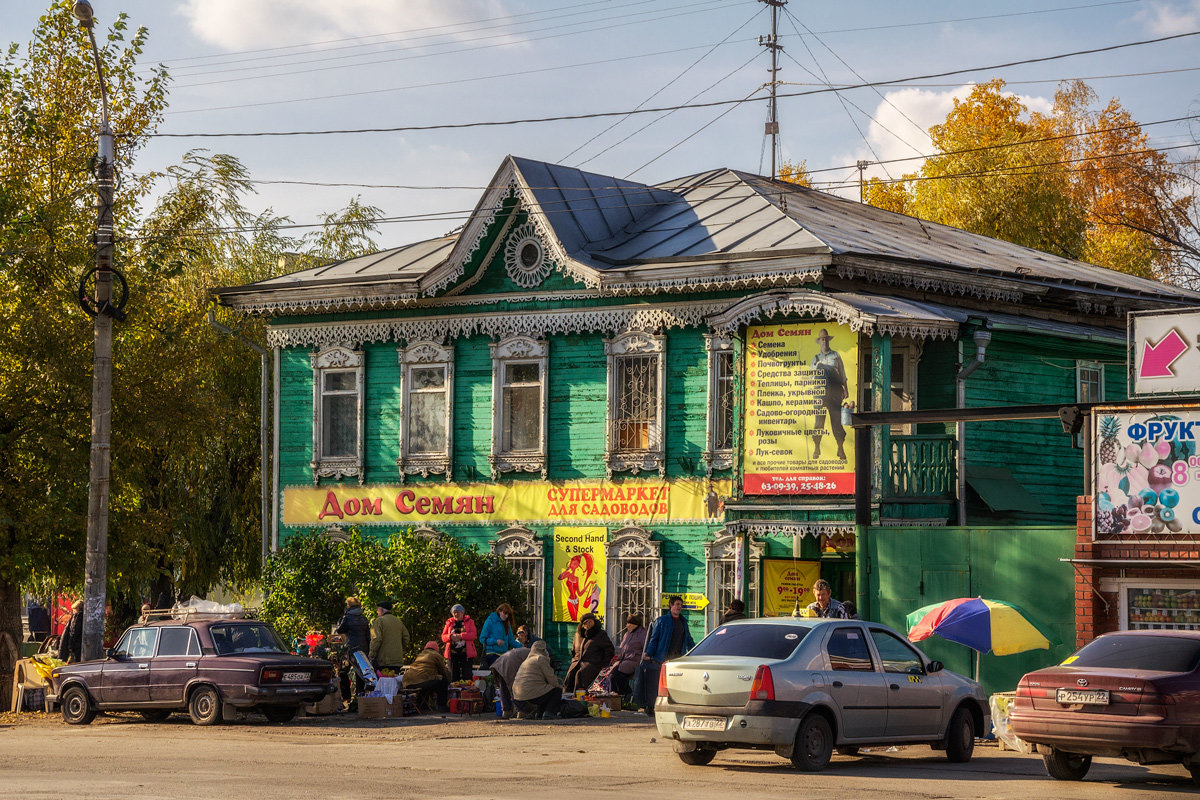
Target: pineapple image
{"points": [[1109, 430]]}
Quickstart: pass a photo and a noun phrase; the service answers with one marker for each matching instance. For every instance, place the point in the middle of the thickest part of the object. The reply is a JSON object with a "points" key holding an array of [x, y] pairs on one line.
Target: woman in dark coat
{"points": [[591, 653], [357, 630]]}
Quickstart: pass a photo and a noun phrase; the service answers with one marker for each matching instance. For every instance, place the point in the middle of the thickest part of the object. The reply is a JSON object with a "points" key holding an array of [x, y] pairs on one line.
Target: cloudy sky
{"points": [[253, 66]]}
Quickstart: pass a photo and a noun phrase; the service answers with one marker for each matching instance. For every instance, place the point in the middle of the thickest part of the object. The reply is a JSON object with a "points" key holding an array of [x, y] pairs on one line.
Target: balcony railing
{"points": [[921, 467]]}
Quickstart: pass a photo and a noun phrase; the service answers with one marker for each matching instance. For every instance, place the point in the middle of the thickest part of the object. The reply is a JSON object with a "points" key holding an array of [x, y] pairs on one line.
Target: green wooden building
{"points": [[630, 390]]}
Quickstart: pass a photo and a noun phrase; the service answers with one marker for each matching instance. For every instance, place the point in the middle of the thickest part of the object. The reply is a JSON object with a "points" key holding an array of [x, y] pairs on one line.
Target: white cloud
{"points": [[256, 24], [1163, 19]]}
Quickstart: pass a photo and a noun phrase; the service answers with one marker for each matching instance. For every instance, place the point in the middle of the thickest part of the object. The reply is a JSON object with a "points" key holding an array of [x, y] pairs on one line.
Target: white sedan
{"points": [[802, 687]]}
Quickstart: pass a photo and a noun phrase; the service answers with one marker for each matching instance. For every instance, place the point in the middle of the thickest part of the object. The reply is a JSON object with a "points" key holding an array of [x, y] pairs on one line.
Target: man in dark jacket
{"points": [[357, 630], [70, 648]]}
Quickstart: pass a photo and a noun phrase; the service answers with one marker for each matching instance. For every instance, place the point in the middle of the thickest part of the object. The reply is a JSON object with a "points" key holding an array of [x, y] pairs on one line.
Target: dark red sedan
{"points": [[1133, 695], [208, 667]]}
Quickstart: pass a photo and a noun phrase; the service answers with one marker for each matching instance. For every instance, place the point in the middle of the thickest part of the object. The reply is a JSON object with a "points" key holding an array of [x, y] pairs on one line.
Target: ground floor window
{"points": [[522, 550], [720, 556], [634, 578]]}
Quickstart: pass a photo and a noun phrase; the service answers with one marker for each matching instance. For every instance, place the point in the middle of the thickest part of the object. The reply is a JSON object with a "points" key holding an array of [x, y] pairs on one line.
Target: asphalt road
{"points": [[120, 756]]}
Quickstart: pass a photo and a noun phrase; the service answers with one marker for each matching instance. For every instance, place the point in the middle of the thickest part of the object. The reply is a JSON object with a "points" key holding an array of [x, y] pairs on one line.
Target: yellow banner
{"points": [[801, 386], [578, 572], [786, 581], [641, 501]]}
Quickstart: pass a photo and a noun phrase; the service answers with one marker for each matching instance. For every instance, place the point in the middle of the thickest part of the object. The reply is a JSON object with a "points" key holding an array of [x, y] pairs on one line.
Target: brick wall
{"points": [[1096, 611]]}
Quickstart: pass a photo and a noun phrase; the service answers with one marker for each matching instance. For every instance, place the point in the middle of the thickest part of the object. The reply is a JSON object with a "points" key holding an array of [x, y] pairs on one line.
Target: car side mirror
{"points": [[110, 652], [935, 666]]}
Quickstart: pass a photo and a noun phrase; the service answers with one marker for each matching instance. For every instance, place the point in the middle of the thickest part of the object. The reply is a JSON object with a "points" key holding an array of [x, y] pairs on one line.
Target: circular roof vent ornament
{"points": [[525, 257]]}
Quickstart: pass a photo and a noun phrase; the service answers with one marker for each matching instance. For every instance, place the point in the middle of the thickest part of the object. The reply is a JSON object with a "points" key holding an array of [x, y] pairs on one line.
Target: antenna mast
{"points": [[771, 42]]}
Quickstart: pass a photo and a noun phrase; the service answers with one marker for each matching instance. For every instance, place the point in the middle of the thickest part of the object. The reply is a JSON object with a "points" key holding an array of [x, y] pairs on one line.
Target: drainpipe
{"points": [[982, 338], [264, 380]]}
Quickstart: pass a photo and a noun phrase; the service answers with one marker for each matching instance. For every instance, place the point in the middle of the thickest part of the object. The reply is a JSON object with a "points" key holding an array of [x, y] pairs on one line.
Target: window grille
{"points": [[522, 551], [634, 426], [636, 421], [718, 452], [634, 578], [1089, 387], [337, 413], [721, 569]]}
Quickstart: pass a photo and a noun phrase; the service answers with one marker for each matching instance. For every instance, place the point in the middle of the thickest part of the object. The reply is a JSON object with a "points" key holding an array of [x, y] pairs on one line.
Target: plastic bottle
{"points": [[499, 708]]}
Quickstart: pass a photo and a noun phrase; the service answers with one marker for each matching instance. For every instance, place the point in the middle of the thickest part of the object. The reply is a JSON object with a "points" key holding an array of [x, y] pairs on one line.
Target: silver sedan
{"points": [[802, 687]]}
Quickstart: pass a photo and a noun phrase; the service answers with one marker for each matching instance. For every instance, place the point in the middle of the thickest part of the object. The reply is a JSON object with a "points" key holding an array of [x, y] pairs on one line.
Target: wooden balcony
{"points": [[920, 467]]}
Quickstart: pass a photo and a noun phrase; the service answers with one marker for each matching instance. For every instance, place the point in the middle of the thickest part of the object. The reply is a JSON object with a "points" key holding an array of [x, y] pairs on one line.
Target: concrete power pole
{"points": [[771, 42]]}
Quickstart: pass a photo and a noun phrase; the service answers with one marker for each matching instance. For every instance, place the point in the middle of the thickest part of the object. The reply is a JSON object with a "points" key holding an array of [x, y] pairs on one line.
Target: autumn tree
{"points": [[796, 173]]}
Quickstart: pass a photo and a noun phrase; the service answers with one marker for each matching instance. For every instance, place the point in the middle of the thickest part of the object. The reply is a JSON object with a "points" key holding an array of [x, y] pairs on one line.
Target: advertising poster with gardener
{"points": [[1147, 474], [578, 572], [801, 385]]}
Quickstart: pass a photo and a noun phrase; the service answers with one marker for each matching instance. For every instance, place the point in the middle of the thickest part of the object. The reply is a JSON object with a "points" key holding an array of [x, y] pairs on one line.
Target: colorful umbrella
{"points": [[988, 626]]}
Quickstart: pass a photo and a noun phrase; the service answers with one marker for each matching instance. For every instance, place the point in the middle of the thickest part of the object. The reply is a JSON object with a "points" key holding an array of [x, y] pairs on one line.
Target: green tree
{"points": [[306, 581]]}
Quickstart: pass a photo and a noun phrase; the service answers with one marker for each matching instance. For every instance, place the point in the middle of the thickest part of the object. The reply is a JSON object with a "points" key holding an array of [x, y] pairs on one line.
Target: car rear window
{"points": [[752, 641], [243, 638], [1157, 653]]}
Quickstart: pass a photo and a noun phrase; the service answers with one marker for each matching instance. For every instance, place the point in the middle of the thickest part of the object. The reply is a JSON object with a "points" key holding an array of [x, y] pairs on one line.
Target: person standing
{"points": [[825, 605], [389, 638], [736, 610], [669, 638], [39, 621], [70, 647], [354, 626], [829, 364], [497, 635], [429, 670], [536, 685], [591, 652], [629, 654], [459, 636]]}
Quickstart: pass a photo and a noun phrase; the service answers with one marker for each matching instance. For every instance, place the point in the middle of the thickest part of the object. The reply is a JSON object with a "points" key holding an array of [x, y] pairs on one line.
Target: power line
{"points": [[709, 104]]}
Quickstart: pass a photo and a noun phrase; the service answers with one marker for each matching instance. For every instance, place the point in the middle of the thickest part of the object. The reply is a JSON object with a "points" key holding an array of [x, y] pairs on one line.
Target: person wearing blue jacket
{"points": [[497, 635], [669, 638]]}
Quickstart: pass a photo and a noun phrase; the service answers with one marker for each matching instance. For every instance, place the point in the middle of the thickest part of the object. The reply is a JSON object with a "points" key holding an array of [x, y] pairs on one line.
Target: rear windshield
{"points": [[1157, 653], [752, 641], [245, 638]]}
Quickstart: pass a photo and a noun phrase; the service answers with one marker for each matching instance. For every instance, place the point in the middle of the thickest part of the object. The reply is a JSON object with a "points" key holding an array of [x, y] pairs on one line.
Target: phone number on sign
{"points": [[798, 486]]}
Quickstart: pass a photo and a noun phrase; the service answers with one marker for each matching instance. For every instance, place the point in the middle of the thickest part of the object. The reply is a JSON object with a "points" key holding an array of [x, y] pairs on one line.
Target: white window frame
{"points": [[720, 556], [522, 549], [423, 355], [336, 358], [630, 345], [1082, 366], [719, 348], [629, 546], [517, 350]]}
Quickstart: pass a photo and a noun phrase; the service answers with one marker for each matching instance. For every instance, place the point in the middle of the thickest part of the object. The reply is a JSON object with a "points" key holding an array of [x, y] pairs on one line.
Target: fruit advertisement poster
{"points": [[801, 385], [1147, 473], [578, 572]]}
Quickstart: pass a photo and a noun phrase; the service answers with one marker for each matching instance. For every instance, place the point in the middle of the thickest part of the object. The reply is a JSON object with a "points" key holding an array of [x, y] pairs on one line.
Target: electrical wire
{"points": [[708, 104], [691, 135]]}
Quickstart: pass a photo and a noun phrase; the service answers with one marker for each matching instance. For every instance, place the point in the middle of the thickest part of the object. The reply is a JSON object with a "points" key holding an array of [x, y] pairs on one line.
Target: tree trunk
{"points": [[10, 639]]}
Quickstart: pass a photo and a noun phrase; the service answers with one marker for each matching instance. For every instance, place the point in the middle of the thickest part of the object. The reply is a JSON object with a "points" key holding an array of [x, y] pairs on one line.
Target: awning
{"points": [[863, 313], [1000, 490]]}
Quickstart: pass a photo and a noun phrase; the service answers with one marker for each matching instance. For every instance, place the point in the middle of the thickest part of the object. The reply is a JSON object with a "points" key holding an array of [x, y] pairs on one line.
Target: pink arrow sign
{"points": [[1158, 358]]}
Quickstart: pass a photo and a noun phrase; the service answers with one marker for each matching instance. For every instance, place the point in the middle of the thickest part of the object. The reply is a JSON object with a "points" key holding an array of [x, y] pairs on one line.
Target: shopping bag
{"points": [[603, 682]]}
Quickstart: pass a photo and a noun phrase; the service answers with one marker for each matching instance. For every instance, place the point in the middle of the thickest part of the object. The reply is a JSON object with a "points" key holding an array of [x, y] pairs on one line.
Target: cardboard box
{"points": [[329, 704], [372, 708]]}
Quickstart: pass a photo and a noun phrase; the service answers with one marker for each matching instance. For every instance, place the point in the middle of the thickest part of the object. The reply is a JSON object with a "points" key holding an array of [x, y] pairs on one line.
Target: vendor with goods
{"points": [[629, 654], [591, 652], [389, 639], [497, 634], [504, 671], [430, 671], [537, 686], [459, 636]]}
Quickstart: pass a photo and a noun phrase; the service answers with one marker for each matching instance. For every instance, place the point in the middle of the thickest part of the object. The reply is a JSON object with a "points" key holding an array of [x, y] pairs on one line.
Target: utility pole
{"points": [[98, 302], [862, 188], [771, 42]]}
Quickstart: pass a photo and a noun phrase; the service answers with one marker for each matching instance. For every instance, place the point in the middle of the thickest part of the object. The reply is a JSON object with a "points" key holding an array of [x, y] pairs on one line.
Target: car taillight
{"points": [[322, 675], [763, 687], [271, 675], [1153, 702], [662, 681]]}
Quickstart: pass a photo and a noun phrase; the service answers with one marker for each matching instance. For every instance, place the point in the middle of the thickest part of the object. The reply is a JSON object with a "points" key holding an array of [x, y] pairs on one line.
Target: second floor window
{"points": [[718, 452], [636, 419], [425, 428], [337, 413], [519, 406]]}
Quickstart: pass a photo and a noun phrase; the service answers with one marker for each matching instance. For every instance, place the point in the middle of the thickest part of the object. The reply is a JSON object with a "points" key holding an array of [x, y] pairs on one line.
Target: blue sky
{"points": [[276, 65]]}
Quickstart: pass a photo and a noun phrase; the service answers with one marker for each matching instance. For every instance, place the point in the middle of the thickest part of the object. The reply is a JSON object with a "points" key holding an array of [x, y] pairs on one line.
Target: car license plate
{"points": [[1086, 697], [704, 723], [296, 677]]}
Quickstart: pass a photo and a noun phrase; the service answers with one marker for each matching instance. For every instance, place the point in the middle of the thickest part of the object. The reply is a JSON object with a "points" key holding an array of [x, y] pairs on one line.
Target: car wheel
{"points": [[77, 707], [960, 737], [1195, 770], [698, 758], [204, 706], [155, 715], [1066, 766], [814, 744], [847, 750], [279, 713]]}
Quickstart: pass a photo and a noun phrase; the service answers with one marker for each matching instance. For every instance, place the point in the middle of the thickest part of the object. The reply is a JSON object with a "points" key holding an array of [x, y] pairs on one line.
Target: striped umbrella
{"points": [[988, 626]]}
